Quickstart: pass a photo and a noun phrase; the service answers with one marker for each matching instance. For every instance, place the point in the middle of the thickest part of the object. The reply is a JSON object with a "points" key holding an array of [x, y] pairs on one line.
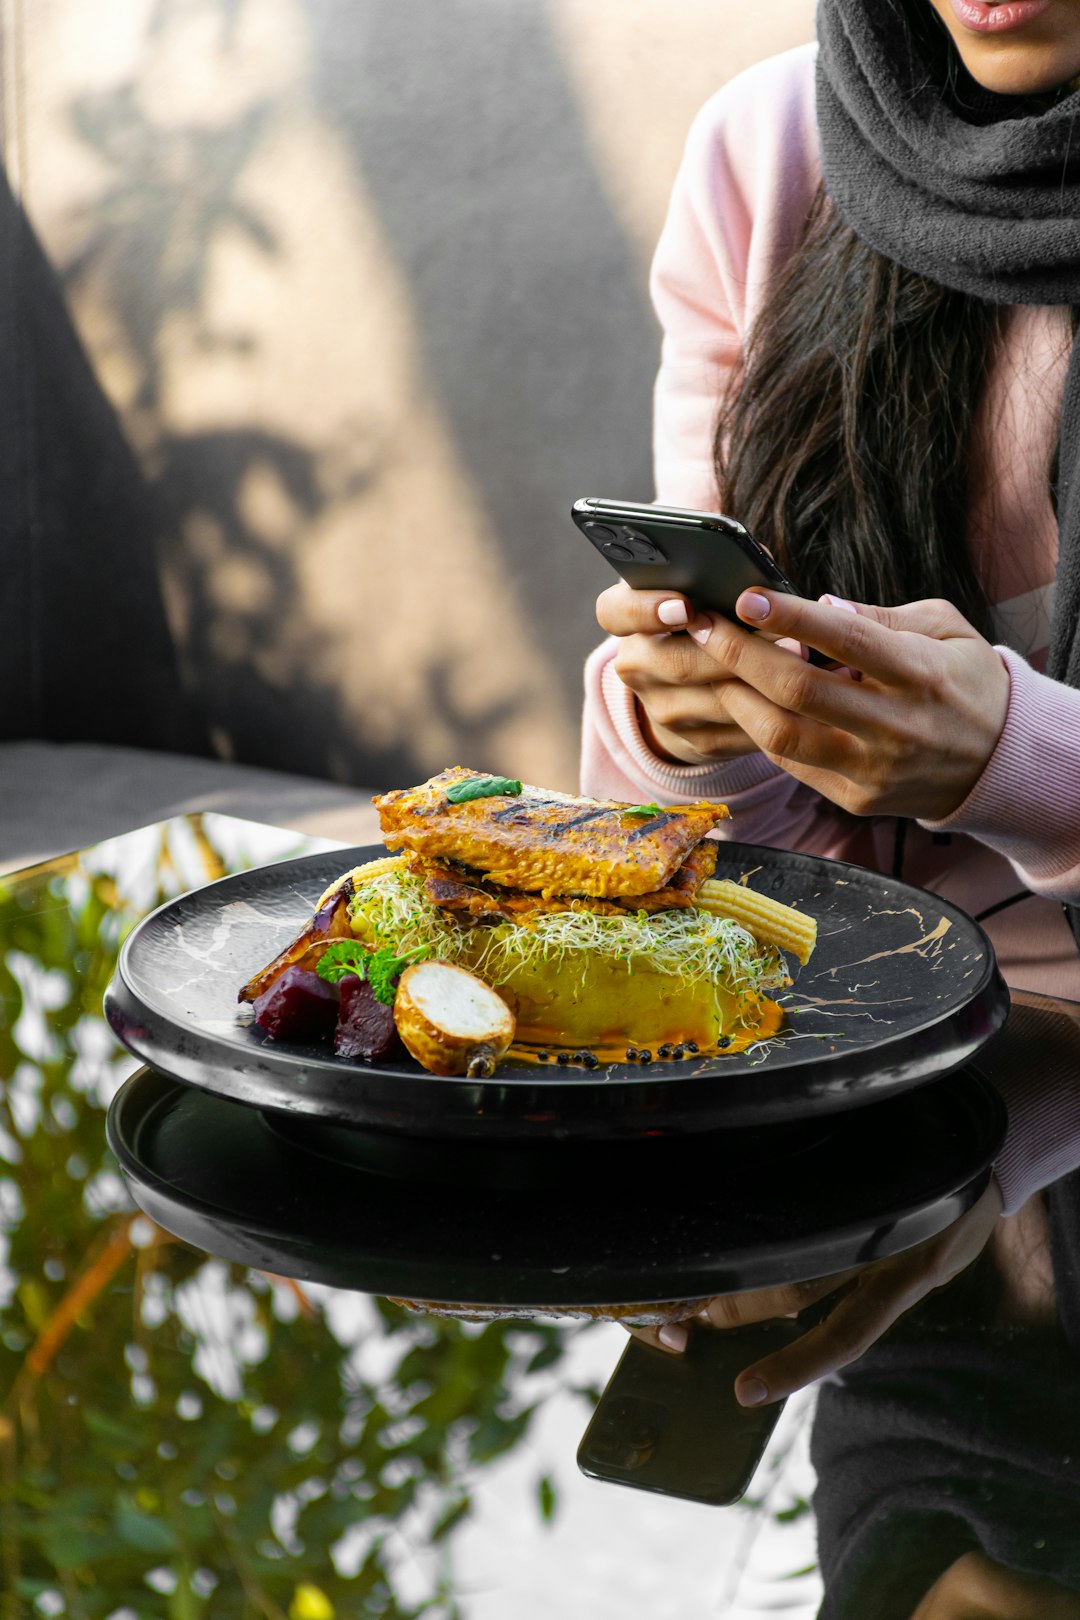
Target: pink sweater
{"points": [[750, 169]]}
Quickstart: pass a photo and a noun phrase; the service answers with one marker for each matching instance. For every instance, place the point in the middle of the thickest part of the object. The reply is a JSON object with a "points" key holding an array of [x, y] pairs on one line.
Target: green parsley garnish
{"points": [[382, 968], [385, 969], [642, 809], [341, 959], [482, 787]]}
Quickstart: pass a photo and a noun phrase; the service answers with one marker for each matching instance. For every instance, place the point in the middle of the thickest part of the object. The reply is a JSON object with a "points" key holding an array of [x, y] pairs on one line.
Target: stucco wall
{"points": [[364, 281]]}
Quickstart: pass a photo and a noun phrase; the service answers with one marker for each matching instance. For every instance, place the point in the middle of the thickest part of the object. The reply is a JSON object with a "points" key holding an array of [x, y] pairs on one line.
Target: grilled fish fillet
{"points": [[546, 843]]}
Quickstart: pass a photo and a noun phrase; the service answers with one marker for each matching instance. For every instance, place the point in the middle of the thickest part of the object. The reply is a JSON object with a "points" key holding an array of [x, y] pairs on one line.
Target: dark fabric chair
{"points": [[85, 650]]}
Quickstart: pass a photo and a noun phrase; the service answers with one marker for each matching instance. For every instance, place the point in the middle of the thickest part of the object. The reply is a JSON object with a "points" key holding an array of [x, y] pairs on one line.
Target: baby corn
{"points": [[770, 922], [361, 874]]}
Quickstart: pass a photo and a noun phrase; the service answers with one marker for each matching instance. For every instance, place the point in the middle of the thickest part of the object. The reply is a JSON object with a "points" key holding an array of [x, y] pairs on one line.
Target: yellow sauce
{"points": [[736, 1040]]}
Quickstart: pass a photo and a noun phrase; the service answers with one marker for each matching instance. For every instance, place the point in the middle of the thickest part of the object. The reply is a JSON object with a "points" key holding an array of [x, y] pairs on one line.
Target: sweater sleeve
{"points": [[1026, 804]]}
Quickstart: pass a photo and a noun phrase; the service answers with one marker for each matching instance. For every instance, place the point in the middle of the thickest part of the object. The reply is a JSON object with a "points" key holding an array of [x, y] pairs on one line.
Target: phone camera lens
{"points": [[641, 547], [617, 551], [598, 531]]}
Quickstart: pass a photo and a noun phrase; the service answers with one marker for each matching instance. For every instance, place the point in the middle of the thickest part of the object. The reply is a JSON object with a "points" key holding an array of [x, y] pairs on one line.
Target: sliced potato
{"points": [[451, 1021]]}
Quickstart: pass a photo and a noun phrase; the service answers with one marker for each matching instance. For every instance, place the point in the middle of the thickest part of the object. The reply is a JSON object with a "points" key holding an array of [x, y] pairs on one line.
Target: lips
{"points": [[997, 16]]}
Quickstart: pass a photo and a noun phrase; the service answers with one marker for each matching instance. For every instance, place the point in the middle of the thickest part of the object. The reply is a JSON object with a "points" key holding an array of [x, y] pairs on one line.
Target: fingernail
{"points": [[751, 1392], [752, 606], [700, 632], [673, 1335], [789, 644], [672, 613], [837, 601]]}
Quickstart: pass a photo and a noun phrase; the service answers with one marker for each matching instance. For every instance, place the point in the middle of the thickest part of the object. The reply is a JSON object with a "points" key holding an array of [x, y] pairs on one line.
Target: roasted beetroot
{"points": [[299, 1006], [331, 921], [365, 1026]]}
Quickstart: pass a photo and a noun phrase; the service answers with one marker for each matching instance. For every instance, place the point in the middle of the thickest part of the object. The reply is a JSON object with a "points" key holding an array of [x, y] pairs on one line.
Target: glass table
{"points": [[185, 1438]]}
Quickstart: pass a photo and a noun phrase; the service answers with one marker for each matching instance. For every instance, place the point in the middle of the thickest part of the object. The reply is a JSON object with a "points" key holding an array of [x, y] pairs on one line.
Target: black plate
{"points": [[615, 1223], [902, 988]]}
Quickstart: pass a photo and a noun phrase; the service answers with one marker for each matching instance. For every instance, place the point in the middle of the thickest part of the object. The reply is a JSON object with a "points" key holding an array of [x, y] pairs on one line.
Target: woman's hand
{"points": [[904, 727], [868, 1301], [680, 688]]}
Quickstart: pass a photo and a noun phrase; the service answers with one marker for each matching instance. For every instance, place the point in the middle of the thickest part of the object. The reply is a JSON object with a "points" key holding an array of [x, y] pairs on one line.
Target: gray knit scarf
{"points": [[974, 191]]}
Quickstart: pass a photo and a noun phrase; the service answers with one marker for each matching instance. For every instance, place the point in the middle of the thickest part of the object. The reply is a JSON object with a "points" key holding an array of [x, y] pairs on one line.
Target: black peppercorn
{"points": [[663, 1051], [562, 1057]]}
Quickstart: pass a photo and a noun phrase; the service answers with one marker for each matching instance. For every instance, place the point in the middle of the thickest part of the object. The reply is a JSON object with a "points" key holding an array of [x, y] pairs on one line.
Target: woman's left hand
{"points": [[905, 726]]}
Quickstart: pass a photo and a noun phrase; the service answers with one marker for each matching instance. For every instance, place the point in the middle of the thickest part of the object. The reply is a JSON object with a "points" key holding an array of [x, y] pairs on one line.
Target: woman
{"points": [[870, 260]]}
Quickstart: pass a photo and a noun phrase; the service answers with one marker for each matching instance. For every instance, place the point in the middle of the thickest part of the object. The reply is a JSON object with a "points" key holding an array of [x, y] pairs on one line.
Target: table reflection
{"points": [[181, 1437]]}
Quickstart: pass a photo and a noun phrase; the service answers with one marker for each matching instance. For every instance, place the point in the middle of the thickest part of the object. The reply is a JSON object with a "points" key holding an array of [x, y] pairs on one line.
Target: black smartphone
{"points": [[704, 556], [671, 1423]]}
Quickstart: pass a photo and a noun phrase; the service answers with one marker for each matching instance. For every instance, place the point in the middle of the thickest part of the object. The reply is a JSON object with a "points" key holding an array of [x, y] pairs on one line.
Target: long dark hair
{"points": [[843, 442]]}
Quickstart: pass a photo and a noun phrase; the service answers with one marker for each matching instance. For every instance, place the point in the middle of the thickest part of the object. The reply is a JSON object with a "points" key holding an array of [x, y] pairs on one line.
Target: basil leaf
{"points": [[481, 787], [642, 809]]}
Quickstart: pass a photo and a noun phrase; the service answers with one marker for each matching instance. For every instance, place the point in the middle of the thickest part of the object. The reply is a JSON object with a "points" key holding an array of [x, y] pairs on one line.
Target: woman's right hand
{"points": [[679, 687]]}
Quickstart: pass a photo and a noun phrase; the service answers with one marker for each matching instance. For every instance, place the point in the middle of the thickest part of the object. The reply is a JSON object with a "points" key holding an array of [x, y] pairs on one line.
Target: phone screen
{"points": [[671, 1423]]}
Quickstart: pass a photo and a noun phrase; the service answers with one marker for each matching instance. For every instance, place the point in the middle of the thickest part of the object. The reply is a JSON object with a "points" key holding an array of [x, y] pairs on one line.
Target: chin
{"points": [[1018, 72], [1035, 59]]}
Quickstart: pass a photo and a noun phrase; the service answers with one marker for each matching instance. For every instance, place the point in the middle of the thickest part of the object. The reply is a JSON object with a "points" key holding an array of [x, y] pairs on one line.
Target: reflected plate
{"points": [[902, 988], [612, 1223]]}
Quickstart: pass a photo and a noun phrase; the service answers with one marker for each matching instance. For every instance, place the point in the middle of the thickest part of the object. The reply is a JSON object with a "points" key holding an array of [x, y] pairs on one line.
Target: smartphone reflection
{"points": [[626, 1433], [671, 1424]]}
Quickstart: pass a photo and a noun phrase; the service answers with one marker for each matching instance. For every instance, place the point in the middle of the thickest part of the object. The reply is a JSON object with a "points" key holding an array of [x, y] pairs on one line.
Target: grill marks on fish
{"points": [[518, 806], [556, 829], [650, 826], [551, 844], [561, 827]]}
